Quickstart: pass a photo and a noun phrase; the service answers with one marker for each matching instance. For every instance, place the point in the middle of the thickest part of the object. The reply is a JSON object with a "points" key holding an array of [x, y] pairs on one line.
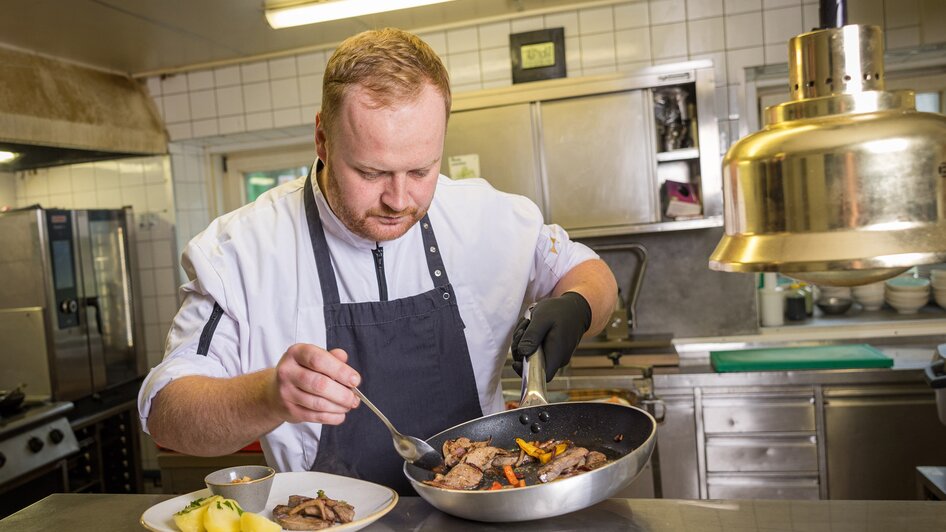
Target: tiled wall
{"points": [[284, 92], [143, 183], [7, 190]]}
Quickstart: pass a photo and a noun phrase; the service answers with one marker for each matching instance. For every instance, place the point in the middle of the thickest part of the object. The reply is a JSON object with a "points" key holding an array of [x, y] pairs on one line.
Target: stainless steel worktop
{"points": [[115, 513]]}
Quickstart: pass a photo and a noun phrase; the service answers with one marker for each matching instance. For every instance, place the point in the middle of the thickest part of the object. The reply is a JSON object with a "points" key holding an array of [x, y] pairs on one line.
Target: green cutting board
{"points": [[789, 358]]}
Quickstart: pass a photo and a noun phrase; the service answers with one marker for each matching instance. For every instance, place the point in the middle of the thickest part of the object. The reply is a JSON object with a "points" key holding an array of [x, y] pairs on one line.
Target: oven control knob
{"points": [[69, 306], [35, 444], [56, 436], [3, 459]]}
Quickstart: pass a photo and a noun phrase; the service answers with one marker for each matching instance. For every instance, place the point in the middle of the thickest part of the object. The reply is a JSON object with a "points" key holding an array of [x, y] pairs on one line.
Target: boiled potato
{"points": [[191, 518], [223, 516], [250, 522]]}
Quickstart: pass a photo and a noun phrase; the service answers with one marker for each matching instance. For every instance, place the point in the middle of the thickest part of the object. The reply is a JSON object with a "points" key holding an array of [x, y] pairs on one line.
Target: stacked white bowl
{"points": [[938, 280], [907, 294], [871, 296], [843, 292]]}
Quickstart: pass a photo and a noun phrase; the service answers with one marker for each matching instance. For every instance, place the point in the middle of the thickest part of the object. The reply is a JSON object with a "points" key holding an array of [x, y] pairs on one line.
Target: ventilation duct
{"points": [[54, 113]]}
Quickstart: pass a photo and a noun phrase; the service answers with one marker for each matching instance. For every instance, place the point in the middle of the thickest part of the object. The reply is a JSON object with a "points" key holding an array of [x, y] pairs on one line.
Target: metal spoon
{"points": [[413, 450]]}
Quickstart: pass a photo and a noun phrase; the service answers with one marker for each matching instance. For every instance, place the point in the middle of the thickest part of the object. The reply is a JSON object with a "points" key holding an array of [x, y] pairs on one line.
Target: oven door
{"points": [[23, 491]]}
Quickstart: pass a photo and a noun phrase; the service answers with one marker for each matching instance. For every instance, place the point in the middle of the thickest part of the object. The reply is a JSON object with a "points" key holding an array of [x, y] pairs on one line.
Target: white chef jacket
{"points": [[257, 263]]}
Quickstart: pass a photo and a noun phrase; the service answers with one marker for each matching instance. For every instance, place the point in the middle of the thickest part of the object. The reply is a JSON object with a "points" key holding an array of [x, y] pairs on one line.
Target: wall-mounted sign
{"points": [[464, 166], [537, 55]]}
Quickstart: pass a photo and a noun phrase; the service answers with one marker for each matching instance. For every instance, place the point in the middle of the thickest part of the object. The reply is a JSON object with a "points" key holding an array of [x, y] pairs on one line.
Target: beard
{"points": [[369, 224]]}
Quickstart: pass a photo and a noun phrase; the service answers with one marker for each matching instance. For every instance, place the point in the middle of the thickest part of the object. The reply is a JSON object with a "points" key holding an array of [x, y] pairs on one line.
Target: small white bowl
{"points": [[908, 284]]}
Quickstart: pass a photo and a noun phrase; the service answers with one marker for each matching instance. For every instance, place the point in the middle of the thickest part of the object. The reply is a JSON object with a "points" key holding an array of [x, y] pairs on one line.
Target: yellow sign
{"points": [[537, 55]]}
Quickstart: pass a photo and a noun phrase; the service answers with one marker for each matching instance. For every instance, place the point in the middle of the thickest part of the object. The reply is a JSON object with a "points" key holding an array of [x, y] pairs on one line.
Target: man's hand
{"points": [[557, 324], [312, 385]]}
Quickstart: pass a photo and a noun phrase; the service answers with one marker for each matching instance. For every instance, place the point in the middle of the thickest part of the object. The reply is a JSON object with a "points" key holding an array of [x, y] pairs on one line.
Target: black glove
{"points": [[558, 323]]}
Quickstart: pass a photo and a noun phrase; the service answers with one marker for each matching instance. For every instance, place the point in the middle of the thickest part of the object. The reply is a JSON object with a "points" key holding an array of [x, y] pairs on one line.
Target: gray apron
{"points": [[413, 360]]}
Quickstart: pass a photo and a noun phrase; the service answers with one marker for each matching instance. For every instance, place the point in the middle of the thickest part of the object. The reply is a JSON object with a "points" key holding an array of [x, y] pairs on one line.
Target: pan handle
{"points": [[533, 376]]}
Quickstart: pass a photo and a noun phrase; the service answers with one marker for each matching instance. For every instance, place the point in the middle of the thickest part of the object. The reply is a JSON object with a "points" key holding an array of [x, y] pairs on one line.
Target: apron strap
{"points": [[438, 274], [323, 261]]}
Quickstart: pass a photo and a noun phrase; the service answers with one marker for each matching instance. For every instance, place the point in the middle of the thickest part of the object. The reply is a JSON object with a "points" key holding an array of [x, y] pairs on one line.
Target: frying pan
{"points": [[623, 433], [10, 400]]}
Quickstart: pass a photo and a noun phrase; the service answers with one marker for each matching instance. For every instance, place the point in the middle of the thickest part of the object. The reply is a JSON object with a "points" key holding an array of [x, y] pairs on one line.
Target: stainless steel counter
{"points": [[115, 513]]}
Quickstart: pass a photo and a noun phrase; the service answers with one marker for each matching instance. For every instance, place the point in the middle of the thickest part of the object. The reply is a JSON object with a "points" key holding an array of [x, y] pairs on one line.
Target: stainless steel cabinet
{"points": [[490, 133], [584, 149], [599, 157], [877, 436]]}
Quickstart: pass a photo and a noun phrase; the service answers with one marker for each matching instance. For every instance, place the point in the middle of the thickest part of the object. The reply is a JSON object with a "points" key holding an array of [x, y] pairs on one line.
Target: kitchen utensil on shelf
{"points": [[624, 433], [413, 450], [834, 306]]}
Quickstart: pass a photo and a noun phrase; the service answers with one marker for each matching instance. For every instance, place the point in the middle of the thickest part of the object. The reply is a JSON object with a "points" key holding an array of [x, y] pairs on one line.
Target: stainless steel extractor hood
{"points": [[54, 113], [846, 183]]}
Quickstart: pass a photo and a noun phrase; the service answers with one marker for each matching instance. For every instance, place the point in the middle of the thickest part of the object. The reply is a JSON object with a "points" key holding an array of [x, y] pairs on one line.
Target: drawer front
{"points": [[745, 416], [761, 454], [735, 487]]}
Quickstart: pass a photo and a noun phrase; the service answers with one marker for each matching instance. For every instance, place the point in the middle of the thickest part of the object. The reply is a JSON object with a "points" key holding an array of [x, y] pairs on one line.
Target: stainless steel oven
{"points": [[69, 311]]}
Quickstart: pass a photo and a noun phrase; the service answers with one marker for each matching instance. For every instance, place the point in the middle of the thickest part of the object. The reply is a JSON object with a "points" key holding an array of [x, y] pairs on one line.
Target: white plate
{"points": [[371, 501]]}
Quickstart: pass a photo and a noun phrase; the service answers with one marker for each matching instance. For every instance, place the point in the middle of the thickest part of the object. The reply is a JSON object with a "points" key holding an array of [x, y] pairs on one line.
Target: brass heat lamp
{"points": [[846, 183]]}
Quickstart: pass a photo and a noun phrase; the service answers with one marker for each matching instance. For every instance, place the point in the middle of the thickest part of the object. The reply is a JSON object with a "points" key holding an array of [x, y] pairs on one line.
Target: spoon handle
{"points": [[376, 411]]}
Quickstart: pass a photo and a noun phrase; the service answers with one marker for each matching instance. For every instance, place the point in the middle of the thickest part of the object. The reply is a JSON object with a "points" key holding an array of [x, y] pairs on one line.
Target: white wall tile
{"points": [[810, 17], [466, 87], [254, 72], [901, 13], [257, 97], [436, 40], [462, 40], [597, 71], [203, 104], [495, 64], [130, 172], [667, 11], [200, 79], [669, 40], [706, 35], [162, 253], [697, 9], [283, 67], [310, 89], [149, 309], [59, 201], [227, 76], [633, 66], [174, 84], [597, 50], [572, 57], [145, 256], [776, 54], [179, 131], [738, 60], [287, 117], [902, 37], [85, 199], [177, 108], [83, 177], [775, 4], [494, 35], [780, 25], [670, 60], [204, 128], [632, 15], [741, 6], [157, 197], [744, 30], [60, 180], [464, 68], [633, 46], [258, 121], [165, 283], [311, 63], [167, 307], [106, 174], [135, 196], [866, 12], [498, 83], [932, 21], [109, 198], [231, 124], [146, 282], [153, 169], [229, 100], [719, 66], [520, 25], [285, 93], [567, 20], [597, 20]]}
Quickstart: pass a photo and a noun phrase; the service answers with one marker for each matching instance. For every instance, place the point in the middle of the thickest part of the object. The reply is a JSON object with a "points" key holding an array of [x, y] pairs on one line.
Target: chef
{"points": [[374, 271]]}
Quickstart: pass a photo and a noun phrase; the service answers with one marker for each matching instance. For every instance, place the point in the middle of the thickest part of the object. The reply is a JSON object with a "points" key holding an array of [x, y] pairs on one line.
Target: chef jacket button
{"points": [[426, 225], [433, 249], [446, 295], [437, 273]]}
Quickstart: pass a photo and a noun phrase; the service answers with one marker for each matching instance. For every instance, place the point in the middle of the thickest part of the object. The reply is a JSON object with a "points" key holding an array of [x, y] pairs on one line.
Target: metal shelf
{"points": [[678, 155]]}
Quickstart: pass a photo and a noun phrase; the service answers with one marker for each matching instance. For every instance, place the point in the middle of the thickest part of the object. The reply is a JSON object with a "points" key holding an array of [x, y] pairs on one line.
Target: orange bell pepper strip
{"points": [[510, 475], [496, 486]]}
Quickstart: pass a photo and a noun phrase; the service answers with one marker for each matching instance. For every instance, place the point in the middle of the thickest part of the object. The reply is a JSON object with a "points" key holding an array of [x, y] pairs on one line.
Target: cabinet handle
{"points": [[674, 77]]}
